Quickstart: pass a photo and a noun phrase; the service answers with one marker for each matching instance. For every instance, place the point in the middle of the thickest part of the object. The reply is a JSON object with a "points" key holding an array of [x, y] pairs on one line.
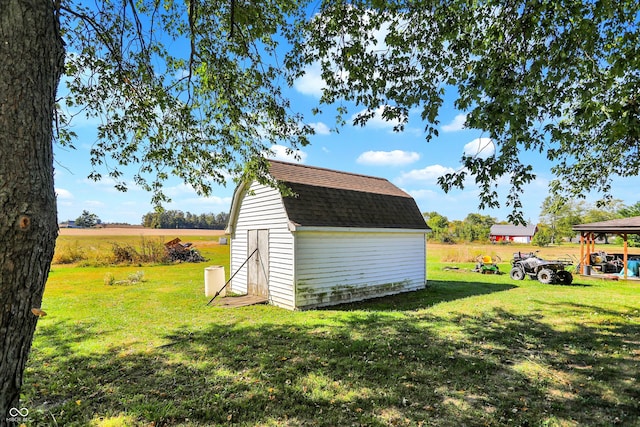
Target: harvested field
{"points": [[85, 247], [137, 231], [469, 252]]}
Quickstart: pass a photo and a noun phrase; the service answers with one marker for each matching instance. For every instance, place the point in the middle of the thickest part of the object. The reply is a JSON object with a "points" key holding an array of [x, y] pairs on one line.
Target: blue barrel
{"points": [[633, 267]]}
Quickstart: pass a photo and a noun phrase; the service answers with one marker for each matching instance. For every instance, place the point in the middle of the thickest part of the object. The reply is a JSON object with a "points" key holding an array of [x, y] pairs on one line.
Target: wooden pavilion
{"points": [[589, 232]]}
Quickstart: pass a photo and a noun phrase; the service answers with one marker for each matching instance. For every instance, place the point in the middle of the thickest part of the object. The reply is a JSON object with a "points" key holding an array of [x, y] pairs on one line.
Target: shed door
{"points": [[258, 265]]}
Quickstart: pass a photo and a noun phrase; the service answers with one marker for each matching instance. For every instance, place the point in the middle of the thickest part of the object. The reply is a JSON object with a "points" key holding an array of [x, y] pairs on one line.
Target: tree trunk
{"points": [[32, 55]]}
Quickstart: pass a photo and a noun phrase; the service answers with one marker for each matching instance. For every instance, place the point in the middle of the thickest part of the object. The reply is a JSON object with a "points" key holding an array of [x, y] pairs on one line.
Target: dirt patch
{"points": [[137, 231]]}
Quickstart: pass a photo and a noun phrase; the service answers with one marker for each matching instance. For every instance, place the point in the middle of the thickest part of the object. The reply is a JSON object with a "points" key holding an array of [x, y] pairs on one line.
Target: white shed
{"points": [[343, 237]]}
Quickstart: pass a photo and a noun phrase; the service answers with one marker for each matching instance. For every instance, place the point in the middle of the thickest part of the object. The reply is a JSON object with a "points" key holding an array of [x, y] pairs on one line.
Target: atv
{"points": [[537, 268]]}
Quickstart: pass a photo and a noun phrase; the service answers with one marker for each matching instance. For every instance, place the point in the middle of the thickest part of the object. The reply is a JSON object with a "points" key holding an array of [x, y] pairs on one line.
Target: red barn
{"points": [[512, 233]]}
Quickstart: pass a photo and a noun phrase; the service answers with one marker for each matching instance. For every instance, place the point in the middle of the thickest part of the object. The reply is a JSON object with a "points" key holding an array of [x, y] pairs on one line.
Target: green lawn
{"points": [[471, 349]]}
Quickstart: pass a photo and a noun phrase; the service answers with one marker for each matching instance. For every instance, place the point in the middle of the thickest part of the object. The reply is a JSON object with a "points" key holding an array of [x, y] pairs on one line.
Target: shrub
{"points": [[69, 254], [150, 251], [542, 238], [136, 277], [153, 250], [109, 279], [132, 279], [124, 254]]}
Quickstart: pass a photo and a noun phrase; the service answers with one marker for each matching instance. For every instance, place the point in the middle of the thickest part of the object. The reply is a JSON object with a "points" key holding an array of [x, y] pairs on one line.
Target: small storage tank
{"points": [[214, 280]]}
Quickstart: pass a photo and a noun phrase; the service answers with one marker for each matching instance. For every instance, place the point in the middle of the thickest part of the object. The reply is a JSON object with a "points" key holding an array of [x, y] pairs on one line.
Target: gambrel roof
{"points": [[330, 198], [294, 173]]}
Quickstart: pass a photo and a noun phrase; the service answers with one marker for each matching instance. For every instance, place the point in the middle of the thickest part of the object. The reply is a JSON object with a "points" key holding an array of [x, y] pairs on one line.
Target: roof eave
{"points": [[238, 194], [612, 230], [293, 227]]}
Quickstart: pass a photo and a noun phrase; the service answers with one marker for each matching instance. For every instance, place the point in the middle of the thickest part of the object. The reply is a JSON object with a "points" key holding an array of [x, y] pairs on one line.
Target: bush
{"points": [[542, 237], [125, 254], [150, 251], [69, 254], [136, 277], [109, 279], [132, 279], [153, 251]]}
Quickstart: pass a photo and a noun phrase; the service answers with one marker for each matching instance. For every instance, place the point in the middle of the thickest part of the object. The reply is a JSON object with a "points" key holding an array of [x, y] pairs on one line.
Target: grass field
{"points": [[471, 349]]}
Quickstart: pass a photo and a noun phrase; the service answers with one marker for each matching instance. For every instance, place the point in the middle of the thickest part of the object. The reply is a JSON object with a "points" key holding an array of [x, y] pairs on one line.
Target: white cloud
{"points": [[63, 194], [201, 204], [279, 152], [480, 147], [428, 175], [320, 128], [424, 194], [180, 190], [456, 125], [388, 158], [108, 185], [311, 83], [415, 132]]}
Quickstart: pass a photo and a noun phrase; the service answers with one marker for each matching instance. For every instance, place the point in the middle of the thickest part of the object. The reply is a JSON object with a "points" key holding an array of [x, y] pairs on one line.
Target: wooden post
{"points": [[589, 244], [582, 252], [625, 256]]}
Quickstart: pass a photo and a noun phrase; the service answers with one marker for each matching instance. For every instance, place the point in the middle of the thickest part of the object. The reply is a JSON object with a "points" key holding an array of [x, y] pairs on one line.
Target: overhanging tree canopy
{"points": [[188, 89], [195, 89], [560, 78]]}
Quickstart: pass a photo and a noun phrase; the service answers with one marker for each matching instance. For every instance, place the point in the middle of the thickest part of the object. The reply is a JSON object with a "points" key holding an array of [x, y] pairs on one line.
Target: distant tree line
{"points": [[179, 219], [87, 220], [474, 227], [557, 218]]}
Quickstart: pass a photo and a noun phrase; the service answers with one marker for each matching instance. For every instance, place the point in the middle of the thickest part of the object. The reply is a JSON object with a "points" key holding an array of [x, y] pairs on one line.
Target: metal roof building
{"points": [[512, 233], [589, 232]]}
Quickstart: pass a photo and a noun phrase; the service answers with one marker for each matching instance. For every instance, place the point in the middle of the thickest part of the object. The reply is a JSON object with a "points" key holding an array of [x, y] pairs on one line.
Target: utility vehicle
{"points": [[529, 264]]}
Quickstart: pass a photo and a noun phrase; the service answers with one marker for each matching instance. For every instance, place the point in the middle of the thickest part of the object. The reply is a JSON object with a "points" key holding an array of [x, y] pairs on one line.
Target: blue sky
{"points": [[405, 159]]}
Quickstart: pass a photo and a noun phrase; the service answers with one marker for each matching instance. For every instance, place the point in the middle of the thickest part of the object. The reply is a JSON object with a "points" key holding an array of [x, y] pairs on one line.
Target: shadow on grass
{"points": [[436, 292], [349, 368]]}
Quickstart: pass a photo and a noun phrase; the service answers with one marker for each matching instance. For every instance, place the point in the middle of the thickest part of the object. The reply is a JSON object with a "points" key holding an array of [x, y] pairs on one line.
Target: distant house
{"points": [[512, 233], [342, 237], [68, 224]]}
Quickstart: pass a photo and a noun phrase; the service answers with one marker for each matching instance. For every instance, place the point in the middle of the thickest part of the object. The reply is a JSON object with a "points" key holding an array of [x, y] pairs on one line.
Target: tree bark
{"points": [[32, 61]]}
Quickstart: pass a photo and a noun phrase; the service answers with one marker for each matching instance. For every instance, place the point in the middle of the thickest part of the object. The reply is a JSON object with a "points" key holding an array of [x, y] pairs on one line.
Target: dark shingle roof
{"points": [[321, 177], [328, 198]]}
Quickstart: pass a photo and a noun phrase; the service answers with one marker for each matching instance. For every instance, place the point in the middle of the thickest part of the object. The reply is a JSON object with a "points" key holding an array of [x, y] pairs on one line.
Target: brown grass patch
{"points": [[137, 231], [469, 252]]}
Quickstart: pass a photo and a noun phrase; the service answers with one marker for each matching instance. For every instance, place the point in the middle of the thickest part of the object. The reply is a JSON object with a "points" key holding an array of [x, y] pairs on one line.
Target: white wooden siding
{"points": [[264, 210], [521, 239], [333, 268]]}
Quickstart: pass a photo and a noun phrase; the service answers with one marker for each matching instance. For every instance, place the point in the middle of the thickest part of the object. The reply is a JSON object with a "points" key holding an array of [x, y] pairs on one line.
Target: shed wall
{"points": [[333, 268], [263, 210], [507, 238], [521, 239]]}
